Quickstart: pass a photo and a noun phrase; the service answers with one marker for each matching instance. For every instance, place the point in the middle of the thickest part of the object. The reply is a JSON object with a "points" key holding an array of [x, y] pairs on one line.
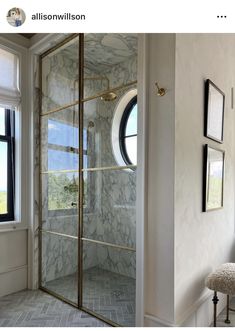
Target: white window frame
{"points": [[20, 221]]}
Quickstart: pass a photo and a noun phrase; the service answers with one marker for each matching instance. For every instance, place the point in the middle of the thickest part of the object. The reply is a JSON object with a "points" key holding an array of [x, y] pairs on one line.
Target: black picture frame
{"points": [[214, 112], [213, 178]]}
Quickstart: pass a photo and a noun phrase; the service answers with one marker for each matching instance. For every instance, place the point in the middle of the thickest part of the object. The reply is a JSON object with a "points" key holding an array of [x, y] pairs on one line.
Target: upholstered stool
{"points": [[222, 280]]}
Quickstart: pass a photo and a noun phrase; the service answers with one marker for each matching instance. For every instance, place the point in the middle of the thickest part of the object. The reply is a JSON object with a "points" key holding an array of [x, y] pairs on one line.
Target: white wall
{"points": [[13, 261], [202, 240], [183, 244], [159, 271]]}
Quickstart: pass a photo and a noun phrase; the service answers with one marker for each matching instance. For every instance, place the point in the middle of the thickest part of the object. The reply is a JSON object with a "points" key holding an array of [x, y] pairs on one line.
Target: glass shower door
{"points": [[59, 171], [88, 200], [109, 219]]}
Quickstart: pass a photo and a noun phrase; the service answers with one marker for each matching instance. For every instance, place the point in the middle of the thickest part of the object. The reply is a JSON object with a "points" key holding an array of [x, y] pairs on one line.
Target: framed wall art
{"points": [[214, 112], [213, 179]]}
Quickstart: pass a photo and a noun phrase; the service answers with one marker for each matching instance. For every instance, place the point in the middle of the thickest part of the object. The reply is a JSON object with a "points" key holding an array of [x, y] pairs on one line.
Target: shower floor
{"points": [[106, 293]]}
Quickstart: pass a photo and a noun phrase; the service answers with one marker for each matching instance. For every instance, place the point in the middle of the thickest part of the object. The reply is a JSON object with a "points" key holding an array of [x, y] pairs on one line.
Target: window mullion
{"points": [[7, 123]]}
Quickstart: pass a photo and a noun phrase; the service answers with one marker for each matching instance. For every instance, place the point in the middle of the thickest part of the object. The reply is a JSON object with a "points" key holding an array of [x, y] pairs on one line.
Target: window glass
{"points": [[63, 154], [128, 132], [131, 148], [131, 127], [60, 160], [7, 170], [3, 177], [60, 134]]}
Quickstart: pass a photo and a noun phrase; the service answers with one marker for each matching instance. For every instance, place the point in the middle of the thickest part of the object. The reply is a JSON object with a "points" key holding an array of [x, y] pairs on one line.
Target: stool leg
{"points": [[227, 312], [215, 301]]}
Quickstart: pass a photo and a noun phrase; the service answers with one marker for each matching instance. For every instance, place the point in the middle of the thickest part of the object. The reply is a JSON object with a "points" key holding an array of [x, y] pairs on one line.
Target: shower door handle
{"points": [[73, 204]]}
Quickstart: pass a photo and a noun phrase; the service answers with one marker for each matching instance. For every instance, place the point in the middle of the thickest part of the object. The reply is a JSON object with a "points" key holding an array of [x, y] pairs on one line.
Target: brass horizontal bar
{"points": [[89, 240], [96, 78], [58, 296], [110, 90], [115, 89], [110, 168], [59, 171], [59, 234], [61, 108], [109, 244], [90, 169]]}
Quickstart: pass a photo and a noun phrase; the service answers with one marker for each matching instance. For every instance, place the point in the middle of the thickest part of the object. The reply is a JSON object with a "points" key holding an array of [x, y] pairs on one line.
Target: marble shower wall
{"points": [[111, 216], [110, 196], [60, 76], [59, 145]]}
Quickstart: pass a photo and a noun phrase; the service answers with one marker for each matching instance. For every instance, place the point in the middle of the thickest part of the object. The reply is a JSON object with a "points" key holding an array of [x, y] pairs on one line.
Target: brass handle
{"points": [[160, 90]]}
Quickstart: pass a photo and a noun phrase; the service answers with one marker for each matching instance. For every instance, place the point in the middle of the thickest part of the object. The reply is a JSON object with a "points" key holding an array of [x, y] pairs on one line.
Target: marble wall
{"points": [[111, 218], [110, 196], [60, 76]]}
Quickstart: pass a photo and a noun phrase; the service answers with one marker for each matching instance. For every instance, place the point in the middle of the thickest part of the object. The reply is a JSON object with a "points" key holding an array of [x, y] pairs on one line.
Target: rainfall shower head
{"points": [[109, 96]]}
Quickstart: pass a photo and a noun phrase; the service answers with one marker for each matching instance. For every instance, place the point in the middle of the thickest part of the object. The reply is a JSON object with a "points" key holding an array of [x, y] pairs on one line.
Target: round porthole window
{"points": [[124, 129]]}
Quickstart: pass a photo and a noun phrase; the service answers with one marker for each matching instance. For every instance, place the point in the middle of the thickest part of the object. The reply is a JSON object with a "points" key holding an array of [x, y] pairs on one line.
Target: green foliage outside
{"points": [[3, 202], [62, 191]]}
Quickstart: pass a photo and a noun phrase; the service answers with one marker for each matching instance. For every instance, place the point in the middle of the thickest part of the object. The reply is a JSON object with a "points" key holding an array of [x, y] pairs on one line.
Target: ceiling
{"points": [[103, 51], [27, 35]]}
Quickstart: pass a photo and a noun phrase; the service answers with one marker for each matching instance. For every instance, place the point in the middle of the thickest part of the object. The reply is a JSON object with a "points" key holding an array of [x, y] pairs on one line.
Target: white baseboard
{"points": [[13, 280], [200, 314], [155, 322], [203, 314]]}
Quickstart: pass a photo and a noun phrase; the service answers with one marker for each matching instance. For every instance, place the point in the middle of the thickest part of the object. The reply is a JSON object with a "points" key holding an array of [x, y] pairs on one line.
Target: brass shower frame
{"points": [[80, 102], [98, 95]]}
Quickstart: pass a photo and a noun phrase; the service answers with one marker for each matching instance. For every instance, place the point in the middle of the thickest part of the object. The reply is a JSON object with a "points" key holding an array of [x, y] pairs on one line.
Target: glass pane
{"points": [[131, 148], [2, 121], [59, 202], [98, 120], [131, 127], [60, 140], [3, 177], [109, 212], [109, 282], [60, 76], [59, 265], [110, 61]]}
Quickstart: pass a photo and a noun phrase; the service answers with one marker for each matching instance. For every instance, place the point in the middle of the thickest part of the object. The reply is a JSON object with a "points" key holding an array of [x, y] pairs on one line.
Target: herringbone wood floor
{"points": [[38, 309]]}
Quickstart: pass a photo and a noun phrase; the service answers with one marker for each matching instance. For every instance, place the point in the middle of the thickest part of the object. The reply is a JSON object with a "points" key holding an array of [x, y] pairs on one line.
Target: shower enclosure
{"points": [[87, 197]]}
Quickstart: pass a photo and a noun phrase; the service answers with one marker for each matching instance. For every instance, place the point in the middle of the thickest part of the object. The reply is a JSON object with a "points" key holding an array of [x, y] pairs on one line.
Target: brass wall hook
{"points": [[160, 90]]}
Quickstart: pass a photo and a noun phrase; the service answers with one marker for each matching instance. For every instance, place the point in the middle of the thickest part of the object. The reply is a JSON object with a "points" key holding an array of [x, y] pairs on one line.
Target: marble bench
{"points": [[222, 280]]}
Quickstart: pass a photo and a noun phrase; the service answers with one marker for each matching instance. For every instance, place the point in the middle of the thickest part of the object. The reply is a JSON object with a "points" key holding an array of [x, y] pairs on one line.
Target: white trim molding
{"points": [[141, 185], [153, 321], [200, 314]]}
